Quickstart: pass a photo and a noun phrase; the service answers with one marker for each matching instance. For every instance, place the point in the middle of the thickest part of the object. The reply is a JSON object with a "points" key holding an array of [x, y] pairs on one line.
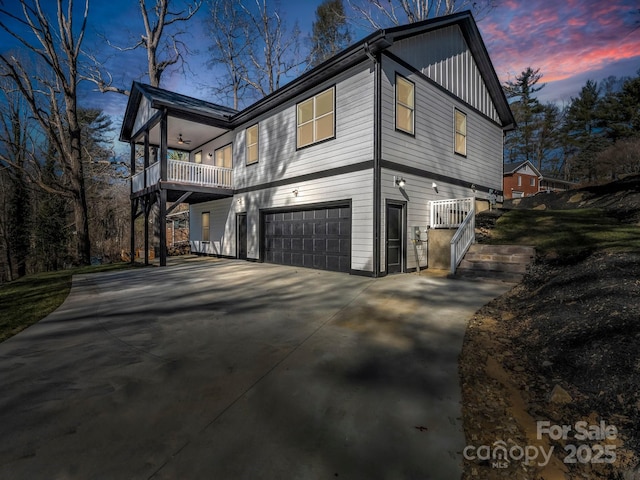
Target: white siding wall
{"points": [[432, 150], [432, 147], [222, 232], [443, 56], [356, 187], [278, 157], [418, 192]]}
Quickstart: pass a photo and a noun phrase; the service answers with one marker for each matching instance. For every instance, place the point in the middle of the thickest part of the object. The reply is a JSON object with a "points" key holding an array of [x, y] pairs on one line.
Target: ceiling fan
{"points": [[182, 141]]}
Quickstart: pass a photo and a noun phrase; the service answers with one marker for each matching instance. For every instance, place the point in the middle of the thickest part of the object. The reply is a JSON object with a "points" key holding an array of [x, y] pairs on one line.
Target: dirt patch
{"points": [[562, 348]]}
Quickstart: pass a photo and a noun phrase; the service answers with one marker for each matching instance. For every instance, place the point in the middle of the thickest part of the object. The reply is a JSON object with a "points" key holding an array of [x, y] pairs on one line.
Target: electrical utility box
{"points": [[420, 233]]}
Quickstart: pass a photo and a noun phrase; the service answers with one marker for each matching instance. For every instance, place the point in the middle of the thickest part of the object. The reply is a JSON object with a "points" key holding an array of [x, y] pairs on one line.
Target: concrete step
{"points": [[488, 276], [498, 257], [486, 265], [503, 249], [506, 263]]}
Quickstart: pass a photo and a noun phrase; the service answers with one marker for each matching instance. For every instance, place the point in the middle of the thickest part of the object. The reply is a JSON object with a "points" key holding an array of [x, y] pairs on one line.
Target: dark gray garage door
{"points": [[316, 238]]}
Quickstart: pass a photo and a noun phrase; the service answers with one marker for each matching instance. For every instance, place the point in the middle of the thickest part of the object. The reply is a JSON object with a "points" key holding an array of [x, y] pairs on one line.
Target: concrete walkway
{"points": [[222, 369]]}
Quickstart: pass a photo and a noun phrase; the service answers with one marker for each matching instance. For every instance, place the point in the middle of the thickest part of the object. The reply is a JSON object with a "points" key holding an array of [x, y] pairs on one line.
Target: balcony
{"points": [[184, 174]]}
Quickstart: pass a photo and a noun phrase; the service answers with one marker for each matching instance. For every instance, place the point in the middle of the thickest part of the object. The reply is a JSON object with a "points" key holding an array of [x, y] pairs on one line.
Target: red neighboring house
{"points": [[521, 179]]}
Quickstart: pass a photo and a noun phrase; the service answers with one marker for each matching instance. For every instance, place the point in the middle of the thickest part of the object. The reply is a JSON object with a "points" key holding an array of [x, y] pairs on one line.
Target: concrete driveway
{"points": [[222, 369]]}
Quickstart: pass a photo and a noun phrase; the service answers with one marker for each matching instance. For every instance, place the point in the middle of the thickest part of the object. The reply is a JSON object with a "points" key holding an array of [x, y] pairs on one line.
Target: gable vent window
{"points": [[252, 144], [316, 119], [405, 105], [461, 133]]}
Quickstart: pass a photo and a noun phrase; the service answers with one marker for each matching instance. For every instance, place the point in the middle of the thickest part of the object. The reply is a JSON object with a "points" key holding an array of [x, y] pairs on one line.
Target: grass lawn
{"points": [[566, 232], [29, 299]]}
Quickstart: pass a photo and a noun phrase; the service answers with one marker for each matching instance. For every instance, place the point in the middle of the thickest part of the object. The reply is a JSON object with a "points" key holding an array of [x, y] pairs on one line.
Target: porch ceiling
{"points": [[194, 134]]}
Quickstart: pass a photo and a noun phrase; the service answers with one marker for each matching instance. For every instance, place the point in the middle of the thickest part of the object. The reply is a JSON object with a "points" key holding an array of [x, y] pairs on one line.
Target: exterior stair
{"points": [[506, 263]]}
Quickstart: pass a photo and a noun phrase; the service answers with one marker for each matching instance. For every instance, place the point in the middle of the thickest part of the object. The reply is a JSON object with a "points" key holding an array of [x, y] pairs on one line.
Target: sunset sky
{"points": [[571, 41]]}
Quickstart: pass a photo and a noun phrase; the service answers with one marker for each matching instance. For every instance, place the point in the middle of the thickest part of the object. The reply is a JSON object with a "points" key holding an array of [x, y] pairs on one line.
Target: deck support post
{"points": [[134, 205], [163, 192]]}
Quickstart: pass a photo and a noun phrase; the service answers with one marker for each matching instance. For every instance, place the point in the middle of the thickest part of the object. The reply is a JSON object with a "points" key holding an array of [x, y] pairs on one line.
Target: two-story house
{"points": [[521, 179], [341, 169]]}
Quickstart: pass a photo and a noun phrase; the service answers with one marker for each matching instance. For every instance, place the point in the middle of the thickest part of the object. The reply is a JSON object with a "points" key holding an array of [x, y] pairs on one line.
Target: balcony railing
{"points": [[187, 173], [450, 213]]}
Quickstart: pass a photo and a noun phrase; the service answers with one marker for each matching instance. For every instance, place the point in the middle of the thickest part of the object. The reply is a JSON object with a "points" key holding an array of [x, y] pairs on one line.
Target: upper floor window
{"points": [[532, 182], [197, 157], [252, 144], [405, 105], [460, 146], [315, 118], [519, 181], [223, 157]]}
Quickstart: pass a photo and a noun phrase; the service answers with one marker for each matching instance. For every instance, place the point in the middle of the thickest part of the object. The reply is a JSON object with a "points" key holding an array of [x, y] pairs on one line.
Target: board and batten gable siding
{"points": [[144, 114], [444, 56], [432, 147], [355, 188]]}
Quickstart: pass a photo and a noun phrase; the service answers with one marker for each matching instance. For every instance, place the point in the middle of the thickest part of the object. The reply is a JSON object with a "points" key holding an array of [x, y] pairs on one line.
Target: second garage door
{"points": [[316, 238]]}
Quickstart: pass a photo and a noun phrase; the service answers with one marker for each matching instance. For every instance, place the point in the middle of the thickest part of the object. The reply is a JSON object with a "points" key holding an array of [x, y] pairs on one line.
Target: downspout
{"points": [[377, 153]]}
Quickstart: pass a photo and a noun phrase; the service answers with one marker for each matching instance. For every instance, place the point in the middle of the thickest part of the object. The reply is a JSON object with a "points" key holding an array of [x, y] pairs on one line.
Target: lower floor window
{"points": [[205, 226]]}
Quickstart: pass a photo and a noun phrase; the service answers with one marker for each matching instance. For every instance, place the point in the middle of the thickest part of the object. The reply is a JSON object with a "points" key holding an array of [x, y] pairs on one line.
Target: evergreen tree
{"points": [[620, 108], [583, 131], [330, 31], [547, 136], [520, 143]]}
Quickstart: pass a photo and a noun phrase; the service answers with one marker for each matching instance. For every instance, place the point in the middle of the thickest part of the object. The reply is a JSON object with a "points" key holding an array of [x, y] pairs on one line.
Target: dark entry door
{"points": [[395, 240], [241, 221]]}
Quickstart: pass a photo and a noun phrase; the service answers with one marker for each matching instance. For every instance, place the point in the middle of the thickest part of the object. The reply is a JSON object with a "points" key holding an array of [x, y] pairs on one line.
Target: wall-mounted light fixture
{"points": [[209, 154], [473, 187], [295, 192], [399, 181], [434, 185]]}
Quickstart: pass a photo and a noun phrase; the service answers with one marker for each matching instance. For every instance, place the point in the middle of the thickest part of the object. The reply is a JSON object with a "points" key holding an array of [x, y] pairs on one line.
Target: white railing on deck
{"points": [[463, 238], [450, 213], [137, 182], [185, 172], [153, 174], [199, 174]]}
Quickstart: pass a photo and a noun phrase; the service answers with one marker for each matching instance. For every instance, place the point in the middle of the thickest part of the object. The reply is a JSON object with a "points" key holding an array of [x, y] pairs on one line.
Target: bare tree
{"points": [[254, 36], [384, 13], [229, 49], [52, 96], [163, 49], [276, 53]]}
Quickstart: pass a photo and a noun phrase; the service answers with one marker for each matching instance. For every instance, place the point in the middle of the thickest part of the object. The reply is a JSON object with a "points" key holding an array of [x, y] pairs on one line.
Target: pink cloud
{"points": [[562, 39]]}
